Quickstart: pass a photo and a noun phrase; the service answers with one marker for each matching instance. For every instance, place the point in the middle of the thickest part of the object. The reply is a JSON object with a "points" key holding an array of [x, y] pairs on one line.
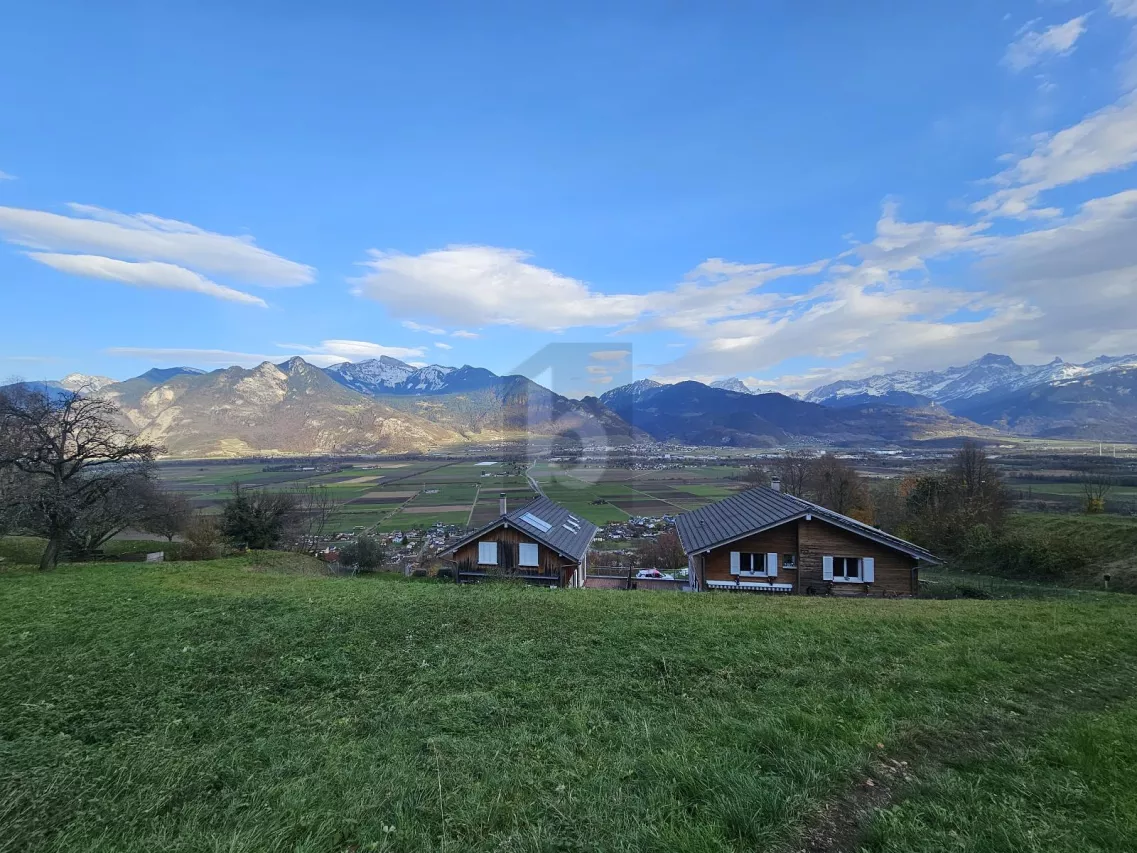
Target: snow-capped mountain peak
{"points": [[85, 382], [732, 384], [990, 373]]}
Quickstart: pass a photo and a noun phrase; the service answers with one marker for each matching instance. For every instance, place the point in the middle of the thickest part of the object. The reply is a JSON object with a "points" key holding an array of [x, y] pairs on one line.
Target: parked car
{"points": [[649, 574]]}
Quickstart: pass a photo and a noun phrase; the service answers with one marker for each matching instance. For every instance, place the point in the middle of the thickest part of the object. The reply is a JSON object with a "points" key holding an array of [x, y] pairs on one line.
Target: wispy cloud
{"points": [[442, 345], [420, 327], [145, 237], [462, 333], [323, 354], [4, 176], [1105, 141], [1032, 46], [146, 274]]}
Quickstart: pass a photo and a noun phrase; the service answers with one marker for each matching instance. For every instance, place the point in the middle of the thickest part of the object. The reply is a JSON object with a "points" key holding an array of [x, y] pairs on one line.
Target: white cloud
{"points": [[1032, 47], [147, 274], [485, 285], [462, 333], [419, 327], [1105, 141], [4, 176], [441, 345], [145, 237], [1123, 8], [356, 350]]}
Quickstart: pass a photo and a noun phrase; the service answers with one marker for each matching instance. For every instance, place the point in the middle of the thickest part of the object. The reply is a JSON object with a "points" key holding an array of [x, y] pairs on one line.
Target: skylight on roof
{"points": [[539, 523]]}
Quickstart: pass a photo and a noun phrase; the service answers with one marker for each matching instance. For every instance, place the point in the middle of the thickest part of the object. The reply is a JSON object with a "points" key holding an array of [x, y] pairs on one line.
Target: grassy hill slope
{"points": [[217, 706]]}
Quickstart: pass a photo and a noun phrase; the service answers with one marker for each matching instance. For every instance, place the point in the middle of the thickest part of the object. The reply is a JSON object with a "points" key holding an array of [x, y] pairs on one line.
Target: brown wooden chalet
{"points": [[540, 542], [763, 540]]}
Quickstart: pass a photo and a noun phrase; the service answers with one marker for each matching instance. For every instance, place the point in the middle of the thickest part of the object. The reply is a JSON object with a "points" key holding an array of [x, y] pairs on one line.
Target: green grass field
{"points": [[246, 705]]}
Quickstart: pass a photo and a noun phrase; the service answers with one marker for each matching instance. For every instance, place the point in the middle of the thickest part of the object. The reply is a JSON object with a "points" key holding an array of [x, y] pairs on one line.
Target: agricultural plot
{"points": [[397, 495]]}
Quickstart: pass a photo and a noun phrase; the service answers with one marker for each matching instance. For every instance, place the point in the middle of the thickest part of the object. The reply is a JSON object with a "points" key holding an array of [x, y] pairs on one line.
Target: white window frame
{"points": [[530, 548], [750, 565], [484, 551], [792, 564], [846, 578]]}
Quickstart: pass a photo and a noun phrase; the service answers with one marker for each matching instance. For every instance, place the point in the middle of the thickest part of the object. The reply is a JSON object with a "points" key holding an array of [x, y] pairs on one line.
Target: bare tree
{"points": [[982, 495], [126, 502], [835, 484], [315, 506], [793, 470], [664, 552], [169, 514], [1097, 483], [63, 454]]}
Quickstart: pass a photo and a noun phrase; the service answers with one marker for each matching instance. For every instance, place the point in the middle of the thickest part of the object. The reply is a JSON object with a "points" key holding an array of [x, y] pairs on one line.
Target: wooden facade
{"points": [[552, 567], [802, 546]]}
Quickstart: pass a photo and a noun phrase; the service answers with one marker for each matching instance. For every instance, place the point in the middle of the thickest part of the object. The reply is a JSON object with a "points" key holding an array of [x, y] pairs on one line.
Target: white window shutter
{"points": [[868, 570], [528, 554], [735, 559], [772, 565], [827, 568], [487, 553]]}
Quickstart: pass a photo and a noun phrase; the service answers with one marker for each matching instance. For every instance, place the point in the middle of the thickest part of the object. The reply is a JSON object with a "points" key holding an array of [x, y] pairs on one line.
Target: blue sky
{"points": [[785, 194]]}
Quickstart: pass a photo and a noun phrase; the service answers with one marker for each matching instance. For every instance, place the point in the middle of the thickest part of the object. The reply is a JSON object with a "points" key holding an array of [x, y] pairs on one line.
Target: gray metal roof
{"points": [[568, 533], [736, 516], [760, 508]]}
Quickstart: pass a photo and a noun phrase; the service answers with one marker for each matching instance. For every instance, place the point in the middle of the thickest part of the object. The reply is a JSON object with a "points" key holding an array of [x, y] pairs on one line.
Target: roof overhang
{"points": [[867, 532], [505, 522]]}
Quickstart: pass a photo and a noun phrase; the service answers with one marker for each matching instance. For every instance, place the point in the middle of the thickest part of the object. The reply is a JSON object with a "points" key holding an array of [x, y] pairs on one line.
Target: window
{"points": [[753, 565], [849, 569], [789, 561], [528, 554], [487, 553]]}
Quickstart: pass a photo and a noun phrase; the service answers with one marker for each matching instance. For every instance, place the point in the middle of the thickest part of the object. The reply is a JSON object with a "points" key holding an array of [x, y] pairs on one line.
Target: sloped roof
{"points": [[760, 508], [567, 534]]}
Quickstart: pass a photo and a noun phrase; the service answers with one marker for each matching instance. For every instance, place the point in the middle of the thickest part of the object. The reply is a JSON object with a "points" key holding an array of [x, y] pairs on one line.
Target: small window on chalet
{"points": [[789, 561], [528, 555], [487, 553], [846, 568]]}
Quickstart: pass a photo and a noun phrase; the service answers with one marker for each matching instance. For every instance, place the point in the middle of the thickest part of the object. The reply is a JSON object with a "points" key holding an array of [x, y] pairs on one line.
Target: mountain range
{"points": [[385, 405], [1058, 399]]}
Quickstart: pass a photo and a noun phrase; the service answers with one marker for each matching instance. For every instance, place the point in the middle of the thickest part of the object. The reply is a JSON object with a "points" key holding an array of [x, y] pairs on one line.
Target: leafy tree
{"points": [[62, 455], [366, 553], [258, 518]]}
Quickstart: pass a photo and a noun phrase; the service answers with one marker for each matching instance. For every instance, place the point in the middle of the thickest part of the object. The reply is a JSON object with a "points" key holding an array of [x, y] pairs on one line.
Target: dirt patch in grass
{"points": [[439, 508], [403, 495]]}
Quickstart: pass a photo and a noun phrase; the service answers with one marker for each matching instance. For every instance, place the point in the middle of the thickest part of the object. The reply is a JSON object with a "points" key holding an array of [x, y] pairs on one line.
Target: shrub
{"points": [[366, 553]]}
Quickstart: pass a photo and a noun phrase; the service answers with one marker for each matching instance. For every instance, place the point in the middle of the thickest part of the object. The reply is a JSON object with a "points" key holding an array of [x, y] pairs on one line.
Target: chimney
{"points": [[501, 502], [776, 483]]}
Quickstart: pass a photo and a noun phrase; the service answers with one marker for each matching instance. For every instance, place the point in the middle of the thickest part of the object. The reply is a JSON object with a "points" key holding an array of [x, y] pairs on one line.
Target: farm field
{"points": [[420, 493], [245, 705]]}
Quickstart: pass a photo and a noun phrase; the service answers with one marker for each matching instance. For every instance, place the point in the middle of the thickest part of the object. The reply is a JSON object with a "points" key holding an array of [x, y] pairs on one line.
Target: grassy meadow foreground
{"points": [[248, 704]]}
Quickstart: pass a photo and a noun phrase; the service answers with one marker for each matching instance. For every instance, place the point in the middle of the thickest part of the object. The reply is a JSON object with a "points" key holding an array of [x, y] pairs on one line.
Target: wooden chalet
{"points": [[540, 542], [763, 540]]}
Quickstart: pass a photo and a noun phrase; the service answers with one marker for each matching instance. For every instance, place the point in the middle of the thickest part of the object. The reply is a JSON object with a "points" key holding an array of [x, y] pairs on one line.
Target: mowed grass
{"points": [[214, 706]]}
